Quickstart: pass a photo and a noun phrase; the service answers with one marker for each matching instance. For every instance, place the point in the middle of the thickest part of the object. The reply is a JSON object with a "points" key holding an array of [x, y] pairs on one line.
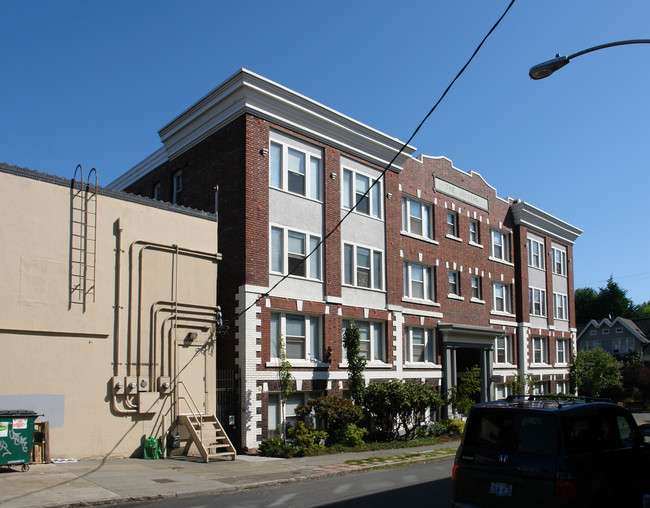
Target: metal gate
{"points": [[227, 400]]}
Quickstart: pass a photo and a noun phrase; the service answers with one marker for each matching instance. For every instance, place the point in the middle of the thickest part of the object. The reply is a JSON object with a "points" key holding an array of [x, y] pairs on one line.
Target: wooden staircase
{"points": [[208, 436]]}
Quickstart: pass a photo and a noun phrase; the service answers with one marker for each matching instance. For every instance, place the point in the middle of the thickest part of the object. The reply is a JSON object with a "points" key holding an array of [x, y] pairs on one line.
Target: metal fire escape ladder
{"points": [[83, 236]]}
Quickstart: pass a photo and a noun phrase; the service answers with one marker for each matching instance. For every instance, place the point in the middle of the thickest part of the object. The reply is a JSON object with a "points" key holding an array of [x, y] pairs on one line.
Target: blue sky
{"points": [[92, 82]]}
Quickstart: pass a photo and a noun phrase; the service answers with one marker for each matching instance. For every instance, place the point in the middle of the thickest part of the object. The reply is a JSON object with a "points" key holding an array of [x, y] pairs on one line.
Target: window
{"points": [[362, 267], [592, 332], [504, 349], [537, 301], [562, 350], [452, 224], [156, 191], [561, 387], [418, 282], [474, 232], [501, 297], [177, 197], [420, 345], [500, 245], [454, 283], [605, 331], [293, 401], [477, 293], [559, 261], [302, 336], [500, 391], [356, 192], [416, 218], [293, 258], [619, 329], [295, 170], [535, 254], [560, 309], [540, 350], [372, 340]]}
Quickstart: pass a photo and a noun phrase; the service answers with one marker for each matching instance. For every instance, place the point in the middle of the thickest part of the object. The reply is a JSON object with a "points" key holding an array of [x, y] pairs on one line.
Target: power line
{"points": [[388, 166]]}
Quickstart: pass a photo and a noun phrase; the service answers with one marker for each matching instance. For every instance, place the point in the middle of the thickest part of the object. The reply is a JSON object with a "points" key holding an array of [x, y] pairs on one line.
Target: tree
{"points": [[609, 302], [356, 362], [284, 374], [594, 371], [633, 356], [462, 396], [643, 310], [585, 304], [522, 383]]}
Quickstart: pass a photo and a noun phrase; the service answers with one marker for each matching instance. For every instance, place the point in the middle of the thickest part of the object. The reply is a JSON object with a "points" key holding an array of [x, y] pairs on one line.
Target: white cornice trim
{"points": [[532, 217], [134, 174]]}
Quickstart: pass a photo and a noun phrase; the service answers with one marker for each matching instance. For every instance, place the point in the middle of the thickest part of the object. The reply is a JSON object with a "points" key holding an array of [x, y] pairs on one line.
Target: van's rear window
{"points": [[511, 431]]}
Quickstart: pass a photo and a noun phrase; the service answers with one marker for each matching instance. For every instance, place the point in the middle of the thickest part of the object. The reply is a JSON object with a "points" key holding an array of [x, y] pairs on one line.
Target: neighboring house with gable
{"points": [[617, 336]]}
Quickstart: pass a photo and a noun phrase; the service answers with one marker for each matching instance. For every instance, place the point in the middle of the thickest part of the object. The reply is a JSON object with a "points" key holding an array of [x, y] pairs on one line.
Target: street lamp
{"points": [[545, 69]]}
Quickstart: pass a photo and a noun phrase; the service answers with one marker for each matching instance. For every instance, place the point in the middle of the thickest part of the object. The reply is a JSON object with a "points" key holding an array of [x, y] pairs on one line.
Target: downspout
{"points": [[117, 230]]}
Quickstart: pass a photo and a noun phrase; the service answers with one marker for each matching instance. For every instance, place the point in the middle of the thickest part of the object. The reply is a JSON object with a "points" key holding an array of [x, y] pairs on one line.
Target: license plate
{"points": [[501, 489]]}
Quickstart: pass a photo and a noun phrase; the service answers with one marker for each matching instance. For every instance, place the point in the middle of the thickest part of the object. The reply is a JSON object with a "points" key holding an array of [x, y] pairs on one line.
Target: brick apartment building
{"points": [[439, 272]]}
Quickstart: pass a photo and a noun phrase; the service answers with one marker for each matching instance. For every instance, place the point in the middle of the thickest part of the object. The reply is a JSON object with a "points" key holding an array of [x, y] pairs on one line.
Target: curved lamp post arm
{"points": [[545, 69]]}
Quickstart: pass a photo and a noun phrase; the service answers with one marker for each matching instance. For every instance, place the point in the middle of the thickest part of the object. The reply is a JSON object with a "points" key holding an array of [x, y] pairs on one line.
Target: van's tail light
{"points": [[454, 473], [565, 486]]}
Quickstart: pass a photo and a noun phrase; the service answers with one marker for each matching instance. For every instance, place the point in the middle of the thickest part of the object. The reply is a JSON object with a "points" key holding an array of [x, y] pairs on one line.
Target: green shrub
{"points": [[353, 435], [435, 429], [275, 447], [334, 413], [306, 440], [454, 427]]}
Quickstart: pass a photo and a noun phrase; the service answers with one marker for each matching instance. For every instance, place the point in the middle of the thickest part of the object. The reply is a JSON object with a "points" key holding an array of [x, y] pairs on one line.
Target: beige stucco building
{"points": [[108, 312]]}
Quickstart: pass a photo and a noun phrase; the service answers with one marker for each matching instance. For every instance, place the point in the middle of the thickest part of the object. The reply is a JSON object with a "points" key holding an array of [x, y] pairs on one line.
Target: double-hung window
{"points": [[562, 350], [454, 283], [301, 334], [296, 169], [559, 261], [452, 224], [540, 350], [500, 245], [363, 267], [477, 292], [537, 301], [504, 349], [419, 282], [289, 251], [177, 196], [420, 345], [357, 191], [501, 297], [560, 309], [474, 236], [371, 339], [535, 254], [156, 191], [416, 218]]}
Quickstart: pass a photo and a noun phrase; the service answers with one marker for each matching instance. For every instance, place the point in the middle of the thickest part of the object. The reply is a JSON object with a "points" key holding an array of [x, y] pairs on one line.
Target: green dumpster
{"points": [[16, 437]]}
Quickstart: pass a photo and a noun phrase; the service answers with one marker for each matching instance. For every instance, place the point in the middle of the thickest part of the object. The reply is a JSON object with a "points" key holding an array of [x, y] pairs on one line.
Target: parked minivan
{"points": [[550, 452]]}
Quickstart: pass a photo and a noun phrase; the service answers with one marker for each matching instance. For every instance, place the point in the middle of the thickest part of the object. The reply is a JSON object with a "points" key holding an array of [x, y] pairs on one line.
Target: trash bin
{"points": [[16, 437]]}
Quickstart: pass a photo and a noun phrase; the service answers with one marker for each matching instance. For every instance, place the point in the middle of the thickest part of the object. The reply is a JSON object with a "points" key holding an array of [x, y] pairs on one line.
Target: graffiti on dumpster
{"points": [[4, 448], [18, 441]]}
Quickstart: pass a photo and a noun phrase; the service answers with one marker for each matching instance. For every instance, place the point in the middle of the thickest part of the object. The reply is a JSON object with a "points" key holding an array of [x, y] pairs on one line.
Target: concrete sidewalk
{"points": [[92, 482]]}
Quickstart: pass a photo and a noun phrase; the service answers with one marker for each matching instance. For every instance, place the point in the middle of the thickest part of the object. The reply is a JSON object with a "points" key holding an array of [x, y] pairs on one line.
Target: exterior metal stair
{"points": [[208, 436]]}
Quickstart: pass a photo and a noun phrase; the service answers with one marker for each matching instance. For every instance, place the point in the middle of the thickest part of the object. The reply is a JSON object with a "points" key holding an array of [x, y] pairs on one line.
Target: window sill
{"points": [[285, 191], [474, 244], [504, 365], [371, 364], [476, 300], [422, 365], [430, 303], [296, 277], [502, 261], [418, 237], [454, 238], [361, 214], [502, 314], [541, 316], [452, 296], [540, 365], [537, 268], [299, 363], [363, 288]]}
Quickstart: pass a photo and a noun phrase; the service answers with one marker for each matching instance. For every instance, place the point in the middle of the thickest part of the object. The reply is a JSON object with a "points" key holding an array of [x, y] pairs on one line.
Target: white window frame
{"points": [[562, 351], [559, 261], [452, 224], [411, 283], [177, 192], [454, 284], [409, 205], [376, 340], [506, 297], [535, 253], [313, 345], [539, 350], [475, 233], [537, 301], [351, 267], [156, 191], [504, 344], [428, 345], [351, 195], [476, 283], [500, 240], [280, 171], [562, 386], [312, 265], [560, 306]]}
